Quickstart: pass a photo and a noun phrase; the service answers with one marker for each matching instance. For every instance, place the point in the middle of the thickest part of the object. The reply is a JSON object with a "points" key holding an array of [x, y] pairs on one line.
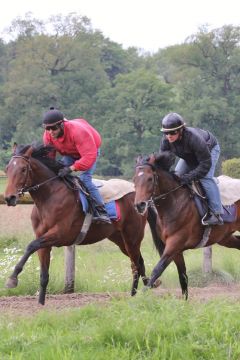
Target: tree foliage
{"points": [[64, 62]]}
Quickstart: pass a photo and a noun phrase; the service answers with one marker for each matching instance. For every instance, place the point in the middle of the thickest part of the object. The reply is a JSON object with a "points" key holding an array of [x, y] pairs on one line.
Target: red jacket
{"points": [[80, 140]]}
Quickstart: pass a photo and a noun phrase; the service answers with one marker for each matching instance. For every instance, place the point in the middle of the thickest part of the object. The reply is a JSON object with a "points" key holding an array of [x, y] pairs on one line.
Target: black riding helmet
{"points": [[171, 122], [52, 117]]}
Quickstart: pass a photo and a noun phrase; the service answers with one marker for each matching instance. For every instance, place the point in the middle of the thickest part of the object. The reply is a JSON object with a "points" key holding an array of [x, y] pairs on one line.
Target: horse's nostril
{"points": [[141, 207], [10, 200]]}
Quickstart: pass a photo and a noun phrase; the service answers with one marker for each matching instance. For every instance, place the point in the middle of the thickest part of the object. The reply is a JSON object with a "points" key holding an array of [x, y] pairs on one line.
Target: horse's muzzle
{"points": [[141, 207], [11, 200]]}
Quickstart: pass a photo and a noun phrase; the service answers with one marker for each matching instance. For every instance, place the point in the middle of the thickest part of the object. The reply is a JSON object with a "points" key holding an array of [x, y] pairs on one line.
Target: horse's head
{"points": [[146, 178], [18, 174], [144, 181]]}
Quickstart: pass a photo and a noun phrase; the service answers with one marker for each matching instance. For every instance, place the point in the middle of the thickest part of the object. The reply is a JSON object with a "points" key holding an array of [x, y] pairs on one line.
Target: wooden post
{"points": [[207, 259], [69, 252]]}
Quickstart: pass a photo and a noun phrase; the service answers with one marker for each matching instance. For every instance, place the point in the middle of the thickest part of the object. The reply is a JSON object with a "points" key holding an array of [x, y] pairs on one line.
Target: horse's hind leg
{"points": [[137, 263], [44, 258], [183, 279], [142, 270]]}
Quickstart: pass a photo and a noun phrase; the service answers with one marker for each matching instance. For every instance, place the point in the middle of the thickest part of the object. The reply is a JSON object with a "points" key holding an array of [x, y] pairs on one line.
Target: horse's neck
{"points": [[166, 185], [41, 176], [165, 182], [40, 173]]}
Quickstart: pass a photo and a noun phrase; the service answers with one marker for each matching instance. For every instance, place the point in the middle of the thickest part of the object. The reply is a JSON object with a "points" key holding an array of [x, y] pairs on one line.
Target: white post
{"points": [[69, 252], [207, 259]]}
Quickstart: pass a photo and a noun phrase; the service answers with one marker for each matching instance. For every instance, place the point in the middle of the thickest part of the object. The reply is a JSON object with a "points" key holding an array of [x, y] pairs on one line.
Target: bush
{"points": [[231, 168]]}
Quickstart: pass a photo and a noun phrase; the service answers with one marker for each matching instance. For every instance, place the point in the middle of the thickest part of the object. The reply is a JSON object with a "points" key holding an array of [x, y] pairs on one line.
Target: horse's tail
{"points": [[152, 221]]}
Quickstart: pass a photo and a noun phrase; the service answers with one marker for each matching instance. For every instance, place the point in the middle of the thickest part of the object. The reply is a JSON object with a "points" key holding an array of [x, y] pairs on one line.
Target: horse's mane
{"points": [[164, 160], [43, 154]]}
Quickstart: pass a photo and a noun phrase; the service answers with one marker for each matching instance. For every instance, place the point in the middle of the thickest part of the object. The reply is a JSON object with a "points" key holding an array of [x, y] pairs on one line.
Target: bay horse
{"points": [[179, 222], [57, 216]]}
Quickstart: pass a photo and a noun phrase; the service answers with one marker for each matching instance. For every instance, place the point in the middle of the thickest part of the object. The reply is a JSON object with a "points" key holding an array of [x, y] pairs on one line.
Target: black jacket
{"points": [[194, 147]]}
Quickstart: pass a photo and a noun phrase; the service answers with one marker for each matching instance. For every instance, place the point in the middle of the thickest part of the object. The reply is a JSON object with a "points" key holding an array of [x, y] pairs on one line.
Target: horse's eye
{"points": [[150, 179], [24, 170]]}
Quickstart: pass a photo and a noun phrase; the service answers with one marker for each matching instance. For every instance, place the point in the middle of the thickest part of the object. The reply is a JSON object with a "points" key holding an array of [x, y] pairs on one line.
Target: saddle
{"points": [[197, 192], [110, 190]]}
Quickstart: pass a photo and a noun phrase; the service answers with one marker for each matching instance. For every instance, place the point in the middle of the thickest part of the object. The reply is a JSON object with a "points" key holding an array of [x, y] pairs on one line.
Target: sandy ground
{"points": [[27, 305]]}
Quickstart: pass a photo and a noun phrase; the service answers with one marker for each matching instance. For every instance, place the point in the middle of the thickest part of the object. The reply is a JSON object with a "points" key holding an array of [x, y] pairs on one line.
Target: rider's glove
{"points": [[64, 171], [185, 179]]}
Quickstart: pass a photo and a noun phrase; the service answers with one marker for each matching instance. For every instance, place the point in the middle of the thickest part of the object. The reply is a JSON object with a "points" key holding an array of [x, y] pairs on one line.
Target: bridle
{"points": [[25, 187], [154, 198]]}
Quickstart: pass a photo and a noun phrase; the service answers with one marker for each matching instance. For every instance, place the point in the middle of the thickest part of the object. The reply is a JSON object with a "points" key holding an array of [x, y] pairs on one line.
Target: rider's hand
{"points": [[185, 179], [64, 171]]}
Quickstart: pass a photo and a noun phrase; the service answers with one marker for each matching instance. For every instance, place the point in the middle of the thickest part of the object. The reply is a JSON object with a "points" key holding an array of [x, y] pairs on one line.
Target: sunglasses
{"points": [[174, 132], [53, 127]]}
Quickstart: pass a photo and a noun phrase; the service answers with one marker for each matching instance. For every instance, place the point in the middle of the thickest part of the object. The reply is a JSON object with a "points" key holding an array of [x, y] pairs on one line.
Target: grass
{"points": [[3, 182], [144, 327], [102, 267], [140, 328]]}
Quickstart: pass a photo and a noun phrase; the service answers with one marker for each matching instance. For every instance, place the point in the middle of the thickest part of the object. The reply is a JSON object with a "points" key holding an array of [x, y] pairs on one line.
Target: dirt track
{"points": [[27, 305]]}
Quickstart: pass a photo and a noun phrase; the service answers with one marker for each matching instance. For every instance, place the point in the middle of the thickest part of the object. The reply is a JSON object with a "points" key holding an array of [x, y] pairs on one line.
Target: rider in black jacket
{"points": [[198, 151]]}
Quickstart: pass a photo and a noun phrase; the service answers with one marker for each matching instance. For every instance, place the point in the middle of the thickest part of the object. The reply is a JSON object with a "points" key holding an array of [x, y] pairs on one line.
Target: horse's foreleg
{"points": [[44, 258], [159, 268], [135, 279], [31, 248]]}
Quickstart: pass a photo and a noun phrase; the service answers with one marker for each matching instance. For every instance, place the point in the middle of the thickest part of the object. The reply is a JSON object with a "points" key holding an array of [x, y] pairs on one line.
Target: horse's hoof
{"points": [[11, 283], [157, 283], [146, 288]]}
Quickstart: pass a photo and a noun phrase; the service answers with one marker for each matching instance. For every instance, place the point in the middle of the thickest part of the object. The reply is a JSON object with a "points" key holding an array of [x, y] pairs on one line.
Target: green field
{"points": [[2, 184], [143, 327]]}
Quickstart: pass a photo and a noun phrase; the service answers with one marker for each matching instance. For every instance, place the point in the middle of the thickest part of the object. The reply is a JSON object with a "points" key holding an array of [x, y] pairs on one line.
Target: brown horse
{"points": [[179, 223], [57, 216]]}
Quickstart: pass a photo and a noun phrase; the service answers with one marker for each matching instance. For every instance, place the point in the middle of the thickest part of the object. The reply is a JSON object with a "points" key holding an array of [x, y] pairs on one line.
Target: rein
{"points": [[163, 196], [26, 188]]}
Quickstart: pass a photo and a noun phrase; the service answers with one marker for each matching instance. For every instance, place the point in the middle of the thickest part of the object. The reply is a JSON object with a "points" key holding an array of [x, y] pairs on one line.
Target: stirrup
{"points": [[215, 219], [101, 219]]}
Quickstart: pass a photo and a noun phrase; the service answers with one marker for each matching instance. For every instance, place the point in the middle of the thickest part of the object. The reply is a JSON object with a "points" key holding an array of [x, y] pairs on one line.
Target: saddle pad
{"points": [[113, 189], [229, 189], [112, 207]]}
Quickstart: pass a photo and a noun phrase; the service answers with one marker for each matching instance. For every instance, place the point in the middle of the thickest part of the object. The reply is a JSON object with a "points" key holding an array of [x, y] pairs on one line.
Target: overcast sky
{"points": [[146, 24]]}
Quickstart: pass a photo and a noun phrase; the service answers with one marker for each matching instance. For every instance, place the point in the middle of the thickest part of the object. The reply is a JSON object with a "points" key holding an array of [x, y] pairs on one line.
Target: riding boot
{"points": [[213, 219], [101, 215]]}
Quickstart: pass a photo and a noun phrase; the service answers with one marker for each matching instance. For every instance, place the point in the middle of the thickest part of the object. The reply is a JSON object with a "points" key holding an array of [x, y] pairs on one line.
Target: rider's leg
{"points": [[182, 167], [212, 191], [86, 178]]}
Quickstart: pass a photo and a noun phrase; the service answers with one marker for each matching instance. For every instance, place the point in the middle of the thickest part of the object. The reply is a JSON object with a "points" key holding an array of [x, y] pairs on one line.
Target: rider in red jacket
{"points": [[79, 143]]}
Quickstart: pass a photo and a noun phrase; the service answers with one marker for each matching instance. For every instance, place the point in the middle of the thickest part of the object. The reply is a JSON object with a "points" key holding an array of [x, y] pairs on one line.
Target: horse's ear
{"points": [[138, 159], [14, 147], [29, 151]]}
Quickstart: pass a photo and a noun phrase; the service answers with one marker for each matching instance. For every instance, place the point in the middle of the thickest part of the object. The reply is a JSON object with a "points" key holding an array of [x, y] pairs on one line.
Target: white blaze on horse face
{"points": [[13, 162], [140, 173]]}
